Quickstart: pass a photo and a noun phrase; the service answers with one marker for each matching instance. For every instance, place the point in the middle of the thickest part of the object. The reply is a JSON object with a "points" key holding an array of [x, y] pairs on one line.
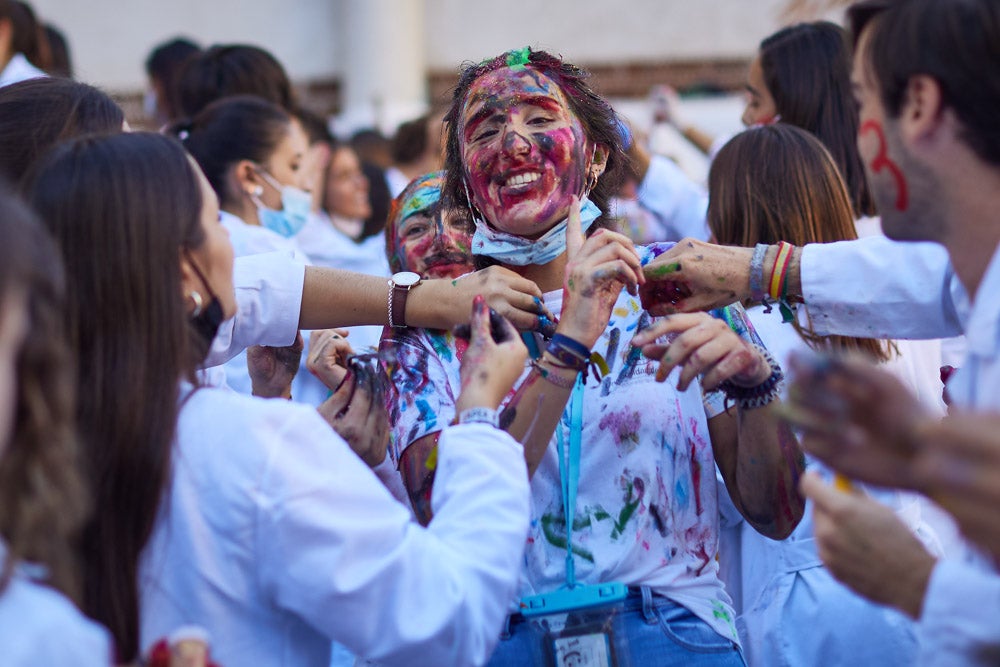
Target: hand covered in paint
{"points": [[694, 275], [272, 369], [958, 465], [701, 345], [356, 410], [867, 547], [512, 296], [493, 361], [857, 419], [328, 354], [596, 271]]}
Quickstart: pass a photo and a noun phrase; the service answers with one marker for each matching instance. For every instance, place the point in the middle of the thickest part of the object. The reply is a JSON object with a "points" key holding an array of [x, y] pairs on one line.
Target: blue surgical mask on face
{"points": [[519, 251], [296, 207]]}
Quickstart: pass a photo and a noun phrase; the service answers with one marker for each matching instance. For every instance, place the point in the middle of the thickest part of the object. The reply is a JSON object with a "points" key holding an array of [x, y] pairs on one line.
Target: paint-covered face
{"points": [[427, 237], [524, 151], [888, 165], [760, 109]]}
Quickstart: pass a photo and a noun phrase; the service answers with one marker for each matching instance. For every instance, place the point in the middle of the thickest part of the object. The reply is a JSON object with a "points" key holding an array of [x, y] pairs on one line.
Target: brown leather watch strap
{"points": [[399, 294]]}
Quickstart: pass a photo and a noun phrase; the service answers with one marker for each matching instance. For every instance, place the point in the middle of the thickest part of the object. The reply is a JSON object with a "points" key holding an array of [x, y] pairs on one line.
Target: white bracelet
{"points": [[480, 416]]}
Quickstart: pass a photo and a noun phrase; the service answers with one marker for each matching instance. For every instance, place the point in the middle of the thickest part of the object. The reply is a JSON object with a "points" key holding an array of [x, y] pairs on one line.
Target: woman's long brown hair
{"points": [[778, 183], [122, 208], [43, 501]]}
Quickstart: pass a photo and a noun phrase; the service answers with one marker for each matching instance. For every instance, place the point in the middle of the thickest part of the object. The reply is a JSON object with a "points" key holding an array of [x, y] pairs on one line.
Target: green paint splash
{"points": [[658, 271], [519, 58]]}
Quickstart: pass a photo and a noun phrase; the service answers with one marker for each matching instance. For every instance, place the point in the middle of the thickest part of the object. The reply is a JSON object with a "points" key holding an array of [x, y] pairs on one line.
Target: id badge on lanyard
{"points": [[576, 622]]}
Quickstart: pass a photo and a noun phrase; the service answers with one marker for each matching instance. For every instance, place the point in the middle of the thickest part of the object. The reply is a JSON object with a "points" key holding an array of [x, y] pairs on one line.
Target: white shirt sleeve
{"points": [[960, 623], [679, 203], [879, 288], [268, 303], [335, 549]]}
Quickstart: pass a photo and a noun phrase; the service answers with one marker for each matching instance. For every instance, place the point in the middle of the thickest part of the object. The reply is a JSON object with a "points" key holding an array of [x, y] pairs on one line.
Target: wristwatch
{"points": [[399, 288]]}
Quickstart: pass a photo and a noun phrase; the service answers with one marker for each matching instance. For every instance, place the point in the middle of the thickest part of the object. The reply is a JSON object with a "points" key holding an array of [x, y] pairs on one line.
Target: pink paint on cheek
{"points": [[883, 161], [417, 252]]}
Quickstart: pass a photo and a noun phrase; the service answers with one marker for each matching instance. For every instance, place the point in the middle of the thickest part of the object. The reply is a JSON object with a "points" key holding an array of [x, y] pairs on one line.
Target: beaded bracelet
{"points": [[749, 398], [548, 375], [757, 272]]}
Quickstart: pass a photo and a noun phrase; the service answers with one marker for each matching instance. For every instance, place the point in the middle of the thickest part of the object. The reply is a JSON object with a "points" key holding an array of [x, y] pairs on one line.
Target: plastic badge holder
{"points": [[581, 596]]}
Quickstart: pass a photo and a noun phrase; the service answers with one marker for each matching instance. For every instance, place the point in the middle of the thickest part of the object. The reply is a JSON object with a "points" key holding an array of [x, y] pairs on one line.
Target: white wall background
{"points": [[315, 38]]}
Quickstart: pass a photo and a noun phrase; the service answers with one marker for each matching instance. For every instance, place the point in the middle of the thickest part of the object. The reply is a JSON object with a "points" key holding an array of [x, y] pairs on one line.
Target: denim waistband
{"points": [[639, 598]]}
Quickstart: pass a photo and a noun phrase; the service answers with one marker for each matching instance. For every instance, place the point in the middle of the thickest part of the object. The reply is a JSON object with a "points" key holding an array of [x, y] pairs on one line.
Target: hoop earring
{"points": [[591, 182], [198, 303]]}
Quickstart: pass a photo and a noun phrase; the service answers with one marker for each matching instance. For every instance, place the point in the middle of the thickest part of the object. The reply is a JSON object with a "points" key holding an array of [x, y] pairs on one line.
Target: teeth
{"points": [[523, 179]]}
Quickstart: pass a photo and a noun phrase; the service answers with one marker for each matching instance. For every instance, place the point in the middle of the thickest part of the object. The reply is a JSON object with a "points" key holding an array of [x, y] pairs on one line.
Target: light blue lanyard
{"points": [[569, 471]]}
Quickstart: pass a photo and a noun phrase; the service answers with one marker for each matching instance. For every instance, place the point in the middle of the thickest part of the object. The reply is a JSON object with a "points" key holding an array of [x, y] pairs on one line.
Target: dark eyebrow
{"points": [[487, 111], [752, 90], [491, 108]]}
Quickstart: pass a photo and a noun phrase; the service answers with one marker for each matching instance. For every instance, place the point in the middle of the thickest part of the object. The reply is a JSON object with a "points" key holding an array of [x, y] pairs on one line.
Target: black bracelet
{"points": [[749, 398]]}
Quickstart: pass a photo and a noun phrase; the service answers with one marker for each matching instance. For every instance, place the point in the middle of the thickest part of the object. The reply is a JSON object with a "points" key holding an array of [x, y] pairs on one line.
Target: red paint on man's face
{"points": [[523, 149], [436, 244], [882, 162]]}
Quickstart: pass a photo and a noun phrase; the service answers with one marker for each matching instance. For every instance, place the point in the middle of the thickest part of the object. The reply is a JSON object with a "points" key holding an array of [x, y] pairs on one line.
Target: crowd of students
{"points": [[251, 413]]}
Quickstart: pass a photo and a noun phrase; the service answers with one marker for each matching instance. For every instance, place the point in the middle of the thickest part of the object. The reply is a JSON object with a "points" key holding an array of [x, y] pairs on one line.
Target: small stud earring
{"points": [[198, 303]]}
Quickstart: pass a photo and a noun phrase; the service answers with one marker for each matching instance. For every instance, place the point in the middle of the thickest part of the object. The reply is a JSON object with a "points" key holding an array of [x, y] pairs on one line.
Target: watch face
{"points": [[405, 278]]}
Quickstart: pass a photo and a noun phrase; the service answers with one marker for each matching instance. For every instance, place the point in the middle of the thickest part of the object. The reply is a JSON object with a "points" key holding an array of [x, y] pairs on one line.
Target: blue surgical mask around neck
{"points": [[519, 251], [296, 207]]}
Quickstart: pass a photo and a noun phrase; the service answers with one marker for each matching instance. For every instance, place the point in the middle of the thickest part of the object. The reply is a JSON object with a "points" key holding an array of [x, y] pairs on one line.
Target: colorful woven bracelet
{"points": [[549, 376]]}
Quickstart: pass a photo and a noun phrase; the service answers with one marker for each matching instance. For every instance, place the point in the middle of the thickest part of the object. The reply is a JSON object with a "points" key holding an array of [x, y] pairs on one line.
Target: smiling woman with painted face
{"points": [[426, 234], [534, 153]]}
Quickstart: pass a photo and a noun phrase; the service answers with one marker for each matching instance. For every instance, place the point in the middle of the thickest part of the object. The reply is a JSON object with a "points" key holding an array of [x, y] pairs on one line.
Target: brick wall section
{"points": [[628, 80], [634, 79]]}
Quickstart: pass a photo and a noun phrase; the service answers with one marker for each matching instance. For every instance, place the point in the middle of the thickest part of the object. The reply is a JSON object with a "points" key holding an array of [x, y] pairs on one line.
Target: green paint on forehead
{"points": [[420, 195], [519, 58]]}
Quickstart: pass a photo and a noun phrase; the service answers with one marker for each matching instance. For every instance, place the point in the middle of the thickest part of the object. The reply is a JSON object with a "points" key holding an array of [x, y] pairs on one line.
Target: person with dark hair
{"points": [[43, 498], [416, 149], [292, 541], [802, 75], [224, 70], [60, 61], [928, 139], [534, 154], [163, 64], [14, 64], [372, 147], [778, 183], [37, 114]]}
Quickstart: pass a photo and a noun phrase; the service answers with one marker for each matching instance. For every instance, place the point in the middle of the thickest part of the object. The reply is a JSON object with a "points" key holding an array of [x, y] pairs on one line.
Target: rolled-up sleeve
{"points": [[268, 305]]}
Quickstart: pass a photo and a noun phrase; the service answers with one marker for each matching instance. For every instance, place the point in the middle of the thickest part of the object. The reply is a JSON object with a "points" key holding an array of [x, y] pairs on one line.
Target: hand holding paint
{"points": [[856, 418], [493, 361], [661, 288], [694, 275], [356, 409]]}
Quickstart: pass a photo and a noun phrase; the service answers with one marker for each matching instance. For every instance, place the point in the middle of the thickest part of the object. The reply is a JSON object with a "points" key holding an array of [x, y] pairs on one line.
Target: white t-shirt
{"points": [[647, 505], [38, 626], [276, 538]]}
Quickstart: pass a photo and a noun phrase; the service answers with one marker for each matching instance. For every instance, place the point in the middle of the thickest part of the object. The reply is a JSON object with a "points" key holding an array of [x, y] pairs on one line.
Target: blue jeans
{"points": [[658, 631]]}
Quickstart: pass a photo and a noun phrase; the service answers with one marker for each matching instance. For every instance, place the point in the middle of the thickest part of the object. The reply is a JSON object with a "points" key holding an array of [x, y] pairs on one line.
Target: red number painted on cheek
{"points": [[883, 161]]}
